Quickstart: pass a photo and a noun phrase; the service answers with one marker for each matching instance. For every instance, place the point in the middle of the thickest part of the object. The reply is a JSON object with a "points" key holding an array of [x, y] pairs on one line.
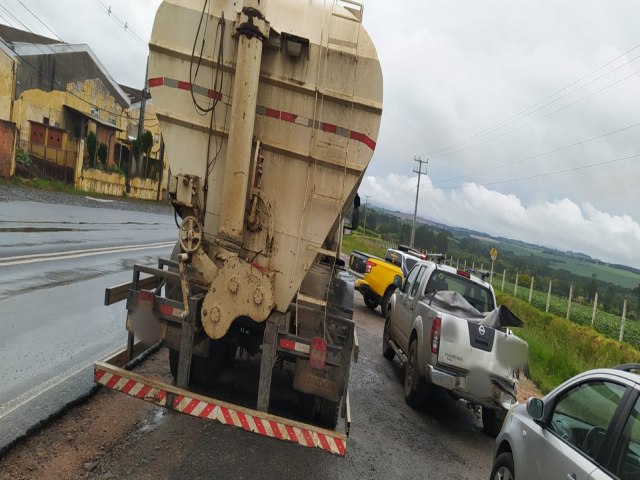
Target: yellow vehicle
{"points": [[379, 280]]}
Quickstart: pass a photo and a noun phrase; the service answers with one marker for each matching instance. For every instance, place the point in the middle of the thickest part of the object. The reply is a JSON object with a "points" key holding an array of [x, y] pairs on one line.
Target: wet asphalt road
{"points": [[56, 259], [388, 439]]}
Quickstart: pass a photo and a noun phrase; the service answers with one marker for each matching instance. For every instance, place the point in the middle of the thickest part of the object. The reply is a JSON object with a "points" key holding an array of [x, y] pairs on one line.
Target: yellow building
{"points": [[61, 106]]}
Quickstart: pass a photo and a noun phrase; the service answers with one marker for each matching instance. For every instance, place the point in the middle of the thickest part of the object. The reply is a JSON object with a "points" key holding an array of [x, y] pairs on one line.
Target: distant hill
{"points": [[575, 262]]}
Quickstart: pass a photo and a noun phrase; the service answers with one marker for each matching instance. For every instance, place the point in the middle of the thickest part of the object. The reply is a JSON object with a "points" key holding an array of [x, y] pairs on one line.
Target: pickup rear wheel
{"points": [[386, 298], [387, 351], [370, 301], [412, 376]]}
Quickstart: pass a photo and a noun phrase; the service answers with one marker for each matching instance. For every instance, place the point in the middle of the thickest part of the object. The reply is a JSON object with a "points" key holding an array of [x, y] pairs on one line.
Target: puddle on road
{"points": [[152, 422]]}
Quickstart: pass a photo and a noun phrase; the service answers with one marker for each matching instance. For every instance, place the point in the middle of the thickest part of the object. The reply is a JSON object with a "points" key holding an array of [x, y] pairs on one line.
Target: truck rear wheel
{"points": [[412, 377], [320, 409], [387, 351], [328, 412], [205, 372], [370, 301]]}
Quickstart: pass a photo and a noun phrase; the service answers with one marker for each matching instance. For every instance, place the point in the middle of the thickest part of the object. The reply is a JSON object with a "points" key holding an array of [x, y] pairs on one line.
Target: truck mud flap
{"points": [[106, 373]]}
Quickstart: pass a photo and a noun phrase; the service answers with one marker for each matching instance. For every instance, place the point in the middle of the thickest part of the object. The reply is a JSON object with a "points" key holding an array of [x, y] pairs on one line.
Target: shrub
{"points": [[22, 158]]}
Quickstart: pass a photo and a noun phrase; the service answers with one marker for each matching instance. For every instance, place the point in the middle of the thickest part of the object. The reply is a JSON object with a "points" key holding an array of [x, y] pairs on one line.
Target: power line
{"points": [[38, 18], [542, 116], [523, 112], [123, 24], [15, 18], [555, 150], [546, 174]]}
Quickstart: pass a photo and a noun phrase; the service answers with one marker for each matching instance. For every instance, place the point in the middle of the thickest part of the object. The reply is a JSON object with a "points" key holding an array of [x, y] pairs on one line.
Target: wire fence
{"points": [[586, 313]]}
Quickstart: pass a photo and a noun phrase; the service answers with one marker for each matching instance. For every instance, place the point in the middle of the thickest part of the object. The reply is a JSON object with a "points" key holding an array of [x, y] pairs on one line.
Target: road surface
{"points": [[55, 262], [115, 436]]}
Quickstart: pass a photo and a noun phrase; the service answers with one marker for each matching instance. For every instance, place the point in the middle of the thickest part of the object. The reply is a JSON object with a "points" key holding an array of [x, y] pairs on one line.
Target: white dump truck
{"points": [[270, 111]]}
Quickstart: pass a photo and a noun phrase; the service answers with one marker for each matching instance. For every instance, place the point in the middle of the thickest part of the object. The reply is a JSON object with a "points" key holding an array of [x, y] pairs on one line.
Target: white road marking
{"points": [[103, 200], [38, 390], [48, 257]]}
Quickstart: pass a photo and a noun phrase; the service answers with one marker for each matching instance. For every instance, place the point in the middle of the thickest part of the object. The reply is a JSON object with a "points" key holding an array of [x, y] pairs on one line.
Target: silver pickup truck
{"points": [[444, 326]]}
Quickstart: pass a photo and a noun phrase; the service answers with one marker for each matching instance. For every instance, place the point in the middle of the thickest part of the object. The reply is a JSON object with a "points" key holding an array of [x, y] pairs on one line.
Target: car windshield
{"points": [[477, 295]]}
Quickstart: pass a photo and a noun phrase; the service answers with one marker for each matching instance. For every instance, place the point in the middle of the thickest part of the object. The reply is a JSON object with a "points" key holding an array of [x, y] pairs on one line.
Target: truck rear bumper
{"points": [[363, 287], [170, 396], [459, 386]]}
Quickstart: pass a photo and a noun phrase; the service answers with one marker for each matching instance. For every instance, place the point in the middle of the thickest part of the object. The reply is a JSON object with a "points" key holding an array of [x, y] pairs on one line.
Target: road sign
{"points": [[494, 254]]}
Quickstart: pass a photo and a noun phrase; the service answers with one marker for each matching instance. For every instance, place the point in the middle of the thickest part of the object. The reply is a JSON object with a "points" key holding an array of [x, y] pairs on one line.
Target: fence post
{"points": [[504, 274], [531, 290], [473, 266], [482, 266], [569, 303], [458, 262], [595, 308], [548, 297], [515, 287], [624, 314], [465, 264]]}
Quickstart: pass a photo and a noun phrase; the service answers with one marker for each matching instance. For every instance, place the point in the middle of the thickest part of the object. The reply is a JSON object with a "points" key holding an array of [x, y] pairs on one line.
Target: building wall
{"points": [[7, 82], [7, 144], [89, 96]]}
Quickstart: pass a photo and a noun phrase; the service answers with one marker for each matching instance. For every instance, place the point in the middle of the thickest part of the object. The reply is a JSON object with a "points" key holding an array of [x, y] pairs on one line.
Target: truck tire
{"points": [[205, 372], [503, 467], [328, 412], [386, 298], [370, 301], [412, 394], [491, 422], [387, 352]]}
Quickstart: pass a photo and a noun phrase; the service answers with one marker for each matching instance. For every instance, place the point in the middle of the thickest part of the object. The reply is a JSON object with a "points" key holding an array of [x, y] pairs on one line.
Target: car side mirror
{"points": [[535, 408], [397, 281]]}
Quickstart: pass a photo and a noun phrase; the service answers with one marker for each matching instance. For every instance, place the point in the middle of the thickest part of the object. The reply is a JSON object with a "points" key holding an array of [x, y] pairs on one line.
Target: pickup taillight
{"points": [[435, 335], [369, 266]]}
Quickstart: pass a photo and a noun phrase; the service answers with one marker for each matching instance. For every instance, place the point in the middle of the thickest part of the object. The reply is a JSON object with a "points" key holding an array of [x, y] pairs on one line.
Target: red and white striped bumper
{"points": [[254, 421]]}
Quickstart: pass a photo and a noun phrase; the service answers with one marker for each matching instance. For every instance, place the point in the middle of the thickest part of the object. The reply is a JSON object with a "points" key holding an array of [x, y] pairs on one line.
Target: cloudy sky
{"points": [[528, 112]]}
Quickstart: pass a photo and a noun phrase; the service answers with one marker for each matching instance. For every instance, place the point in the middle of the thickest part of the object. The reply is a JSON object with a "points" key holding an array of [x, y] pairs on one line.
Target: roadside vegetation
{"points": [[364, 243], [560, 349]]}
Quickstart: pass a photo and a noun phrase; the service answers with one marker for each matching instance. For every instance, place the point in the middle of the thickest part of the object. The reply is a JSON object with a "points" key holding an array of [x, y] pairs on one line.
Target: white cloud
{"points": [[560, 223]]}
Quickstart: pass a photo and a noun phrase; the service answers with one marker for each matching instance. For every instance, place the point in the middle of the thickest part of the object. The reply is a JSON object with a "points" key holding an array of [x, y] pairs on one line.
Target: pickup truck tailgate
{"points": [[472, 346]]}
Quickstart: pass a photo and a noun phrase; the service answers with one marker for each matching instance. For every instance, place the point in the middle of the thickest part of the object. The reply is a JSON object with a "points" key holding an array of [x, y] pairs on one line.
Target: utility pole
{"points": [[419, 171], [366, 202]]}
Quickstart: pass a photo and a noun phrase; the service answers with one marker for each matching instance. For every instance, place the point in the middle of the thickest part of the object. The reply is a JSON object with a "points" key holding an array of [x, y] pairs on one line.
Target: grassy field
{"points": [[560, 349], [576, 266], [367, 244], [607, 324]]}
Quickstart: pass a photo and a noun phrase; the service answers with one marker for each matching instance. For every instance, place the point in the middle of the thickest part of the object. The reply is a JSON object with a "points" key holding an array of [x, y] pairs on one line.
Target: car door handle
{"points": [[571, 476]]}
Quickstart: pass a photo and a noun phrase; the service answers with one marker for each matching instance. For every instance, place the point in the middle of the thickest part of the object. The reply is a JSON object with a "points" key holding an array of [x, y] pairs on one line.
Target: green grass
{"points": [[606, 323], [560, 349], [367, 244], [603, 272]]}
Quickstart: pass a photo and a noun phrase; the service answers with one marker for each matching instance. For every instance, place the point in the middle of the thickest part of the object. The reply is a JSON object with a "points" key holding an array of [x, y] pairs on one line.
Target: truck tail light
{"points": [[369, 266], [145, 299], [435, 335], [318, 355]]}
